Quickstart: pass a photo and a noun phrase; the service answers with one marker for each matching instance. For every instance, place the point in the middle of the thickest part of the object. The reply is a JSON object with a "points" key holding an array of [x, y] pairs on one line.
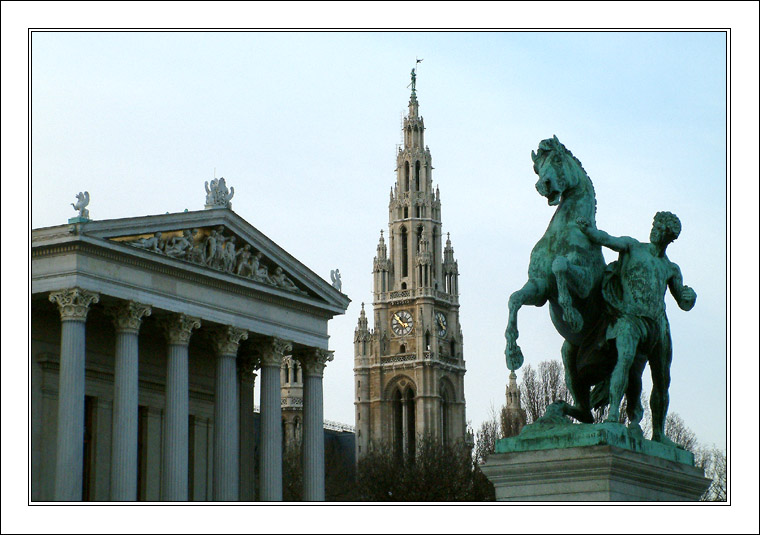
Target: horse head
{"points": [[557, 169]]}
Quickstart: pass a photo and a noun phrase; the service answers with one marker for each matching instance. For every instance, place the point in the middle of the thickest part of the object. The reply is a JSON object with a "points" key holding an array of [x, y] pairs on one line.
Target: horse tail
{"points": [[600, 394]]}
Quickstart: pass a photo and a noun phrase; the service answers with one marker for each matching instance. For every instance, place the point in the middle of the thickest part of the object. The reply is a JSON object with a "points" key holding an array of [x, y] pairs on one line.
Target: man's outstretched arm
{"points": [[602, 238]]}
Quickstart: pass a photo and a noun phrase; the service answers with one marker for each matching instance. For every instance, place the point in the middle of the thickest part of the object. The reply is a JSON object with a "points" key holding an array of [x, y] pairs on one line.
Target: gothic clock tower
{"points": [[409, 370]]}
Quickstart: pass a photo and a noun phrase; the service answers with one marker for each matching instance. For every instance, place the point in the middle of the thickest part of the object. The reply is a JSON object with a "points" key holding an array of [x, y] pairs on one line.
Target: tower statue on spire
{"points": [[414, 82]]}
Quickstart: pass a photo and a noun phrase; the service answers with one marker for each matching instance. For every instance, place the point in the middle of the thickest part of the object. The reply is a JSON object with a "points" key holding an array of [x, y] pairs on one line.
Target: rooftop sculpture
{"points": [[217, 194], [335, 278], [83, 199]]}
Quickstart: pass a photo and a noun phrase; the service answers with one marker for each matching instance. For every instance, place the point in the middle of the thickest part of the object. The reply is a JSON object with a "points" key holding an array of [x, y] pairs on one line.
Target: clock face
{"points": [[402, 323], [441, 324]]}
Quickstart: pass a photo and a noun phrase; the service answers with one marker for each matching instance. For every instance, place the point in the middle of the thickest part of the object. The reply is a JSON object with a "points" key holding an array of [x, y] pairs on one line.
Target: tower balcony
{"points": [[413, 293], [403, 358]]}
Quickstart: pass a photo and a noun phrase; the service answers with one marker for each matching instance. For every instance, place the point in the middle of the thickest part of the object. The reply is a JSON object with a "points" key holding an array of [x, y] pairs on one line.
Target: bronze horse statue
{"points": [[566, 270]]}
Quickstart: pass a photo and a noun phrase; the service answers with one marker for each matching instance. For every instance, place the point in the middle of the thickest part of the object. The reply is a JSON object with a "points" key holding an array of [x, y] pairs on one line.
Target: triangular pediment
{"points": [[220, 242]]}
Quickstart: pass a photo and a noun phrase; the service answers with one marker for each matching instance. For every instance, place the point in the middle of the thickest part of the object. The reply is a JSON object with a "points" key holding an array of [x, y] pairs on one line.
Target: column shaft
{"points": [[313, 440], [226, 431], [124, 441], [176, 422], [271, 434], [70, 445]]}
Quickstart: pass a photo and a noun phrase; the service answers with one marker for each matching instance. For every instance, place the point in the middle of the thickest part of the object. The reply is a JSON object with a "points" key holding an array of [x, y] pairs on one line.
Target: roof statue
{"points": [[83, 199], [335, 278], [217, 194], [414, 76]]}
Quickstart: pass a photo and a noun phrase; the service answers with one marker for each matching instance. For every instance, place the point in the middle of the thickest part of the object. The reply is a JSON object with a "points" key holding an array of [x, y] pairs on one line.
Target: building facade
{"points": [[147, 335], [409, 368]]}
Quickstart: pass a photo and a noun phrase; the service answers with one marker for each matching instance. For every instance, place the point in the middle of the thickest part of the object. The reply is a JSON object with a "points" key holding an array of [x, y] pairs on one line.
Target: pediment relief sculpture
{"points": [[216, 249]]}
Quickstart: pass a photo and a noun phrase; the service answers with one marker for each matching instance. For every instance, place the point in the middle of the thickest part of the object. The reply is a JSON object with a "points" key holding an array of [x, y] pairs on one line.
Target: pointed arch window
{"points": [[404, 424], [404, 252], [446, 400]]}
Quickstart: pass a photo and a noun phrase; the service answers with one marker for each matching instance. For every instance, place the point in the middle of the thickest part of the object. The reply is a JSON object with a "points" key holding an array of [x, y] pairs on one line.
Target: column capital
{"points": [[179, 327], [127, 316], [74, 303], [274, 351], [314, 360], [227, 339]]}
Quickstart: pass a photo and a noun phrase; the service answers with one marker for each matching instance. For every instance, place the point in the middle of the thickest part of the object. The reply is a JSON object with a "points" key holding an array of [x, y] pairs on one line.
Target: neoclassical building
{"points": [[409, 369], [147, 335]]}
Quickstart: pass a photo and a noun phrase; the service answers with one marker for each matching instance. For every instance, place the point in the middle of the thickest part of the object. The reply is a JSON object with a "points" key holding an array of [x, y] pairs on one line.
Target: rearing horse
{"points": [[566, 270]]}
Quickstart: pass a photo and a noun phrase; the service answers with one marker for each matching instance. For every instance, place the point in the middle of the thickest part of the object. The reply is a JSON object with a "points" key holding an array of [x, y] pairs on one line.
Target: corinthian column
{"points": [[73, 304], [178, 330], [313, 364], [127, 319], [226, 419], [271, 420]]}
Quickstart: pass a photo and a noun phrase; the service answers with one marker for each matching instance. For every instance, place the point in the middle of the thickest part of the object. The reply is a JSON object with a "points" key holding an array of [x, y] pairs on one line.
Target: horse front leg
{"points": [[533, 293]]}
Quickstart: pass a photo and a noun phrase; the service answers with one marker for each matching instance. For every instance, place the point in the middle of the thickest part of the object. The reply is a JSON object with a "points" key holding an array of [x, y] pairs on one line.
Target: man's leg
{"points": [[626, 342], [659, 364], [634, 409]]}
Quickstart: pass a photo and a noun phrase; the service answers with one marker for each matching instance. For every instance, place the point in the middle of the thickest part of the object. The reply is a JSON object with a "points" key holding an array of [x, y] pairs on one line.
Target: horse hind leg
{"points": [[562, 270], [580, 391]]}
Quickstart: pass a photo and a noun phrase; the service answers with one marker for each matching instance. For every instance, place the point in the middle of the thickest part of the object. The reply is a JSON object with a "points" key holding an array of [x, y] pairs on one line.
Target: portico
{"points": [[146, 336]]}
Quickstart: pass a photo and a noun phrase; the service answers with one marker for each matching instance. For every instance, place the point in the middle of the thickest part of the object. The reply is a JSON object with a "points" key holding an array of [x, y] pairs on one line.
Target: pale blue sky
{"points": [[304, 126]]}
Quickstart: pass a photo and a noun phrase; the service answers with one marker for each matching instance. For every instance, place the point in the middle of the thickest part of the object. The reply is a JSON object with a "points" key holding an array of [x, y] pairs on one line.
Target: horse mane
{"points": [[548, 146]]}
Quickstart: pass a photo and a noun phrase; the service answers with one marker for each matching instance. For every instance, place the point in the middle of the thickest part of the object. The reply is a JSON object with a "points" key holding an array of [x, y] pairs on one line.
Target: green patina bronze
{"points": [[566, 271], [612, 318], [556, 431]]}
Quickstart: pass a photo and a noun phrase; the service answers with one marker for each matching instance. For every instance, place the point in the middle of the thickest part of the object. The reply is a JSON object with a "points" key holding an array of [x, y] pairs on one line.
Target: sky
{"points": [[305, 125]]}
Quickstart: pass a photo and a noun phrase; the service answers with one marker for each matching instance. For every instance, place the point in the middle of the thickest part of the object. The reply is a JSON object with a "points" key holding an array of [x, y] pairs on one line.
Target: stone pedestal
{"points": [[591, 462], [592, 473]]}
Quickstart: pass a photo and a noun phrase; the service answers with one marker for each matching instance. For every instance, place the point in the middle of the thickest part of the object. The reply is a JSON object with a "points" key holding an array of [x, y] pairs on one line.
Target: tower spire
{"points": [[415, 312]]}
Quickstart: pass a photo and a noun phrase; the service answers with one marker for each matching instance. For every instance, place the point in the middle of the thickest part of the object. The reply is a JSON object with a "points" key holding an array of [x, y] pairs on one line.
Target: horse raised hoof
{"points": [[514, 356]]}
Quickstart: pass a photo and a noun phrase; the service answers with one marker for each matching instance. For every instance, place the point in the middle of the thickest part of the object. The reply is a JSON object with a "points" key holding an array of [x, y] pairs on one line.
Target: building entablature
{"points": [[135, 259]]}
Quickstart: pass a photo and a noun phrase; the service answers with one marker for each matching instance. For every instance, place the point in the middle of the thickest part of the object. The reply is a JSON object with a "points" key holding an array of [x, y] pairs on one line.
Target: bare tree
{"points": [[486, 437], [540, 389], [713, 461], [677, 431]]}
